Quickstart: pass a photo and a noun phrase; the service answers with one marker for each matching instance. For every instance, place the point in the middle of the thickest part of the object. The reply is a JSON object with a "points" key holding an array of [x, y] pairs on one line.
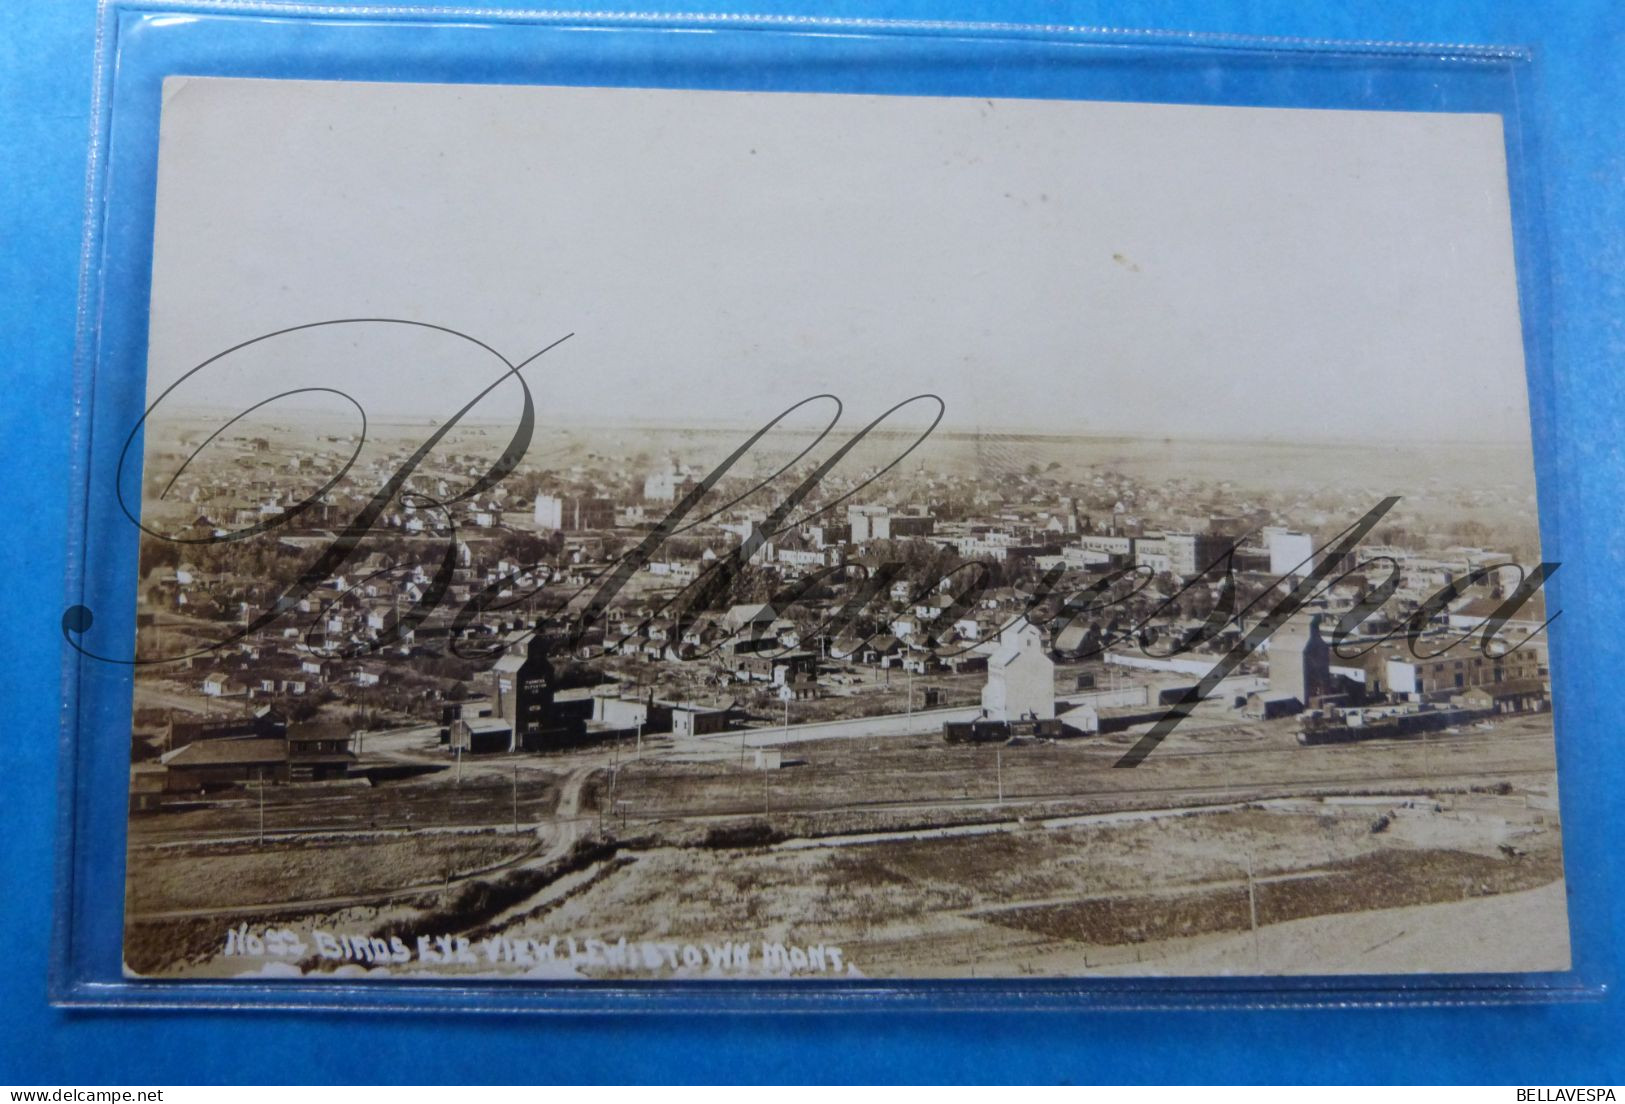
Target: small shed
{"points": [[1513, 696], [482, 736], [693, 720], [1082, 720], [1266, 706]]}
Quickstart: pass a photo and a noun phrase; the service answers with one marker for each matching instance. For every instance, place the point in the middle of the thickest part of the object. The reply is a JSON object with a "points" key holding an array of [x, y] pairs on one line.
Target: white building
{"points": [[573, 514], [868, 523], [669, 485], [549, 512], [1020, 676], [1291, 553]]}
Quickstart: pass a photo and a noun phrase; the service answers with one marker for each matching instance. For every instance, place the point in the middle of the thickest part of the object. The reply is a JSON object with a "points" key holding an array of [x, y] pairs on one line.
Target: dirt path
{"points": [[567, 825], [555, 837]]}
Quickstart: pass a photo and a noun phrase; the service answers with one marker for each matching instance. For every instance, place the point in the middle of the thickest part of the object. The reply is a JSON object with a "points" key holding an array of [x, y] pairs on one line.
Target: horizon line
{"points": [[957, 430]]}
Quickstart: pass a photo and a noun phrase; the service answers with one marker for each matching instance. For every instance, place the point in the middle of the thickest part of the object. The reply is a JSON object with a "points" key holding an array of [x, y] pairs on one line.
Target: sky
{"points": [[1093, 268]]}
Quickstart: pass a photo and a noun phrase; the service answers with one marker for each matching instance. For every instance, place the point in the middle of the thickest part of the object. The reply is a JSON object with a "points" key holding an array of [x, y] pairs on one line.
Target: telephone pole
{"points": [[1252, 907]]}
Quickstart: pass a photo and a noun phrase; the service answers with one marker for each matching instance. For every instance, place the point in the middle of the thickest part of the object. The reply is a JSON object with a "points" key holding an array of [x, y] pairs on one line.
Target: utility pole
{"points": [[998, 769], [640, 742], [1252, 908], [262, 804], [516, 799]]}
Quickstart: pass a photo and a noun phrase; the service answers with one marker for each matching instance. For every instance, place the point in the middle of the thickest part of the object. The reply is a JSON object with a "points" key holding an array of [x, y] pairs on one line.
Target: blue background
{"points": [[47, 70]]}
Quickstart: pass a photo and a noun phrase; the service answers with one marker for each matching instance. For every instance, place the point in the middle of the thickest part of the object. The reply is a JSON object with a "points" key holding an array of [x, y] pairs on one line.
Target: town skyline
{"points": [[831, 673]]}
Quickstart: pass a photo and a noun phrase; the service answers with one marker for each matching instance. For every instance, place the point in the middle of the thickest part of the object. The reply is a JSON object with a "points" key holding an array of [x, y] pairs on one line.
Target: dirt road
{"points": [[554, 838]]}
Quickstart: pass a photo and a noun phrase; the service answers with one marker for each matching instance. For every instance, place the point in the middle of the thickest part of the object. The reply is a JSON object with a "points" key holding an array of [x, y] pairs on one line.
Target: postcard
{"points": [[635, 535]]}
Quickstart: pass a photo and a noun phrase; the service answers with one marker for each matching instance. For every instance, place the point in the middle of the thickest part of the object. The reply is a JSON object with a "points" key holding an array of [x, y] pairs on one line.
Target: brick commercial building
{"points": [[1420, 675]]}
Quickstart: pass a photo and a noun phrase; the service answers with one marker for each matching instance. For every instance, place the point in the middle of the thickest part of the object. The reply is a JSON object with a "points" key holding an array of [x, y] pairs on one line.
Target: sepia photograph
{"points": [[647, 534]]}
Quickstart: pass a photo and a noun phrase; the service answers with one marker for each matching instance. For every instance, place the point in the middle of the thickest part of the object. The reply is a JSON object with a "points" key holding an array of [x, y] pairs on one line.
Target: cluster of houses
{"points": [[344, 635]]}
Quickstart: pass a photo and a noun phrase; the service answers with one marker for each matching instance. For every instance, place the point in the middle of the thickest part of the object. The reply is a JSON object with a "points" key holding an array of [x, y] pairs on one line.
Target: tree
{"points": [[156, 553]]}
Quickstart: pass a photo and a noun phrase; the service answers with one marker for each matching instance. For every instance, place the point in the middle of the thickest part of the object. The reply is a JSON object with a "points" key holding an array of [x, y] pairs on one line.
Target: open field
{"points": [[1105, 893], [222, 876], [1202, 765], [899, 850], [483, 798]]}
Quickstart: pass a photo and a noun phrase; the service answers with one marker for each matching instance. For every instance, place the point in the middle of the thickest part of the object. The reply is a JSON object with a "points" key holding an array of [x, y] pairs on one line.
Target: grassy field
{"points": [[931, 905], [216, 876], [854, 843]]}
